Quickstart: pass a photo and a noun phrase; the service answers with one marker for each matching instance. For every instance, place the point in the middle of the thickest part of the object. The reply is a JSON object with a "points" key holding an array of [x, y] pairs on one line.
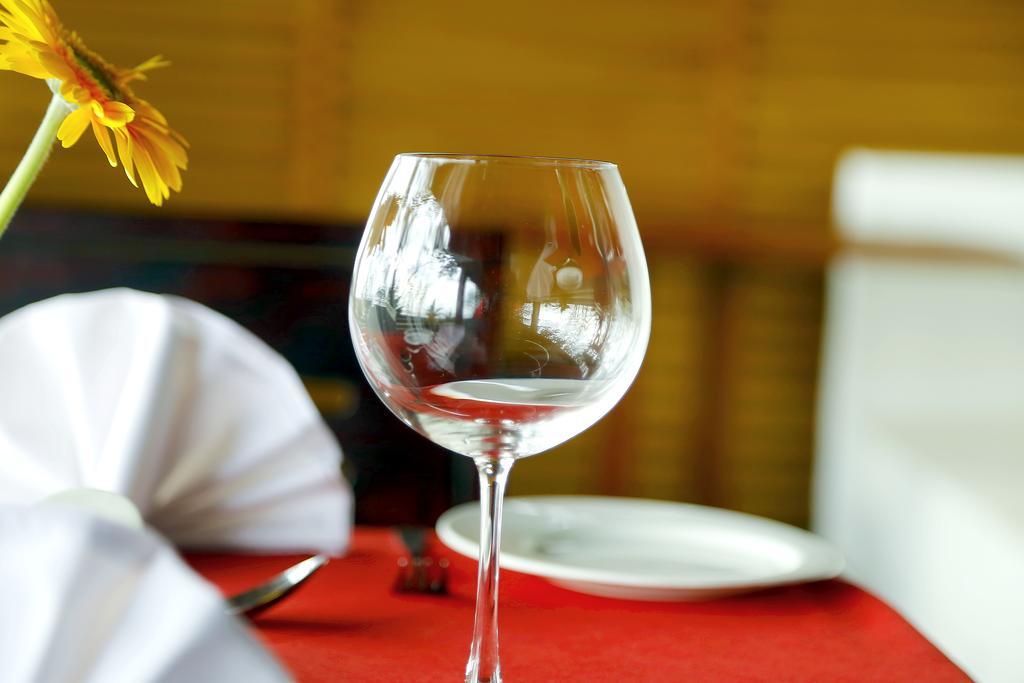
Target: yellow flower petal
{"points": [[37, 45], [58, 67], [155, 188], [26, 19], [174, 151], [22, 63], [165, 168], [138, 73], [113, 114], [103, 137], [74, 93], [180, 139], [124, 150], [73, 126], [158, 117]]}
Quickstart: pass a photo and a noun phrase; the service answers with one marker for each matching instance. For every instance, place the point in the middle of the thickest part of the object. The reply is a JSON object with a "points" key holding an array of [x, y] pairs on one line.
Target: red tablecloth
{"points": [[347, 625]]}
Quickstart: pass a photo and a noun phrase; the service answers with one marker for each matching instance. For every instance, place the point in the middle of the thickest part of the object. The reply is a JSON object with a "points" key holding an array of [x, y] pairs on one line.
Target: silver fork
{"points": [[255, 600], [418, 573]]}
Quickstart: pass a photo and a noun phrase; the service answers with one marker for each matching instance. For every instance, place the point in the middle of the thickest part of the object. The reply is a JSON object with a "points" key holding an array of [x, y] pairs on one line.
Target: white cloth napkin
{"points": [[89, 601], [203, 426]]}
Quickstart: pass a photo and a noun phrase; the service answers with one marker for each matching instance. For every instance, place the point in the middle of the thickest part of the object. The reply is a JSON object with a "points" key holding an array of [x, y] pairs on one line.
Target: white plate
{"points": [[645, 549]]}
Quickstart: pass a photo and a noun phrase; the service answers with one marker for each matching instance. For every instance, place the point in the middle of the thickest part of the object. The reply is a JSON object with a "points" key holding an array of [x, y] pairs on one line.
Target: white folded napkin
{"points": [[91, 601], [206, 429]]}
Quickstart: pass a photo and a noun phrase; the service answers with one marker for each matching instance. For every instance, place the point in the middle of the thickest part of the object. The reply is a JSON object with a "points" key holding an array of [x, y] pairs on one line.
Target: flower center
{"points": [[95, 70]]}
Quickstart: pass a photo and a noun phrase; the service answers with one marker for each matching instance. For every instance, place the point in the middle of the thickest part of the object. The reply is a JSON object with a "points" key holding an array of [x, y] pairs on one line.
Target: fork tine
{"points": [[418, 573], [403, 580], [439, 585]]}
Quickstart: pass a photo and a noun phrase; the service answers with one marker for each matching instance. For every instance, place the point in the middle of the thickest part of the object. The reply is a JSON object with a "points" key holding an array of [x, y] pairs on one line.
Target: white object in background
{"points": [[920, 458], [206, 429], [966, 200], [88, 601], [645, 549]]}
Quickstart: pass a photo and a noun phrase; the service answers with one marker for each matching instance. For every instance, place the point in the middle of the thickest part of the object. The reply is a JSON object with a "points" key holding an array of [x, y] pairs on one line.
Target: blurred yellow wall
{"points": [[725, 118], [717, 112]]}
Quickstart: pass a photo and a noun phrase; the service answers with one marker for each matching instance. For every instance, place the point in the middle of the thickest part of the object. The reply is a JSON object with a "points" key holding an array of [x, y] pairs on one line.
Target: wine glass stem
{"points": [[483, 666]]}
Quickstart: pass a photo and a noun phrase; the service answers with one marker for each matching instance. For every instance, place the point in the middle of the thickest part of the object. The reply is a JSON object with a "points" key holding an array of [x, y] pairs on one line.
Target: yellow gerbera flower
{"points": [[34, 42]]}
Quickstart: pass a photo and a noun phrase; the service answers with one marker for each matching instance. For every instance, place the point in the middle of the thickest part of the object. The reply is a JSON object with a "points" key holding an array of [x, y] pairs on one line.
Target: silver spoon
{"points": [[255, 600]]}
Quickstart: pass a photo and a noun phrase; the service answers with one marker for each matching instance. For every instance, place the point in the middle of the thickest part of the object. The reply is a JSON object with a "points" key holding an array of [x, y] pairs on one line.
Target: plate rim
{"points": [[819, 559]]}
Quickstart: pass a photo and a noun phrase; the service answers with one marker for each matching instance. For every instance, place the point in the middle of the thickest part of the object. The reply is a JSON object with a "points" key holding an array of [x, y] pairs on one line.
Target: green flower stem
{"points": [[35, 157]]}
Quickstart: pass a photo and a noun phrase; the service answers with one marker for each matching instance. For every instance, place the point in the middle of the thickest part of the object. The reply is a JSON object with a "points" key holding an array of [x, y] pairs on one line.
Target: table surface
{"points": [[346, 624]]}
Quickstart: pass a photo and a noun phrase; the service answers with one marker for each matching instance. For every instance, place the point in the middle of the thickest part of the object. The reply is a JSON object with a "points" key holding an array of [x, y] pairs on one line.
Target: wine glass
{"points": [[499, 306]]}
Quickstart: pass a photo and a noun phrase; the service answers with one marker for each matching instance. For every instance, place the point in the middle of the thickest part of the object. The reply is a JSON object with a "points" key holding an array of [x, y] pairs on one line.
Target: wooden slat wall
{"points": [[669, 395], [566, 79], [726, 119], [914, 74], [770, 369], [728, 112]]}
